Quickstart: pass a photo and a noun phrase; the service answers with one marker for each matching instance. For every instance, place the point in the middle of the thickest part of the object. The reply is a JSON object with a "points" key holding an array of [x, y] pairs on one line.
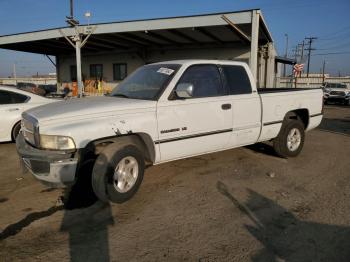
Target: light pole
{"points": [[88, 16], [77, 43], [285, 55]]}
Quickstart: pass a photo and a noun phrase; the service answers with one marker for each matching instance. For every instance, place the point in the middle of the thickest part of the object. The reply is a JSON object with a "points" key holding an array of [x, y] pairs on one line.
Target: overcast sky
{"points": [[327, 20]]}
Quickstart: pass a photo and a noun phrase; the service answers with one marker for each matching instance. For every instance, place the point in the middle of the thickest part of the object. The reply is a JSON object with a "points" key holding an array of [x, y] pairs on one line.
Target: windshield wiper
{"points": [[121, 95]]}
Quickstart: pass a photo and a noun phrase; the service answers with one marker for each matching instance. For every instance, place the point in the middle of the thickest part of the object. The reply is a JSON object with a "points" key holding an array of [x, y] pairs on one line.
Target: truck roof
{"points": [[201, 61]]}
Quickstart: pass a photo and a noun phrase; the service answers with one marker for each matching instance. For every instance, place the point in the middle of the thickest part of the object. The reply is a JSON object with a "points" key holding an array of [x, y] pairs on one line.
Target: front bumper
{"points": [[52, 168], [335, 98]]}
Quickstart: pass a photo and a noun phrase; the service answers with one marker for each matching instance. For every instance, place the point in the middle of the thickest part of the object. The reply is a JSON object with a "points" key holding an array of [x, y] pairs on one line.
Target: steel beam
{"points": [[238, 32], [253, 61], [161, 37], [139, 39], [208, 34], [183, 35]]}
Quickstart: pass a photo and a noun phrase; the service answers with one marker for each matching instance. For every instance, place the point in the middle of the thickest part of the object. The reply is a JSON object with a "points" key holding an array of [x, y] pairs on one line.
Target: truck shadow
{"points": [[86, 220], [88, 232], [263, 148], [336, 125], [284, 236]]}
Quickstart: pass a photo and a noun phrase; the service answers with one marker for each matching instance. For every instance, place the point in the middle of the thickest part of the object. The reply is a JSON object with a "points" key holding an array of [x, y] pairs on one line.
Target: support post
{"points": [[253, 61], [285, 55], [78, 59], [14, 73]]}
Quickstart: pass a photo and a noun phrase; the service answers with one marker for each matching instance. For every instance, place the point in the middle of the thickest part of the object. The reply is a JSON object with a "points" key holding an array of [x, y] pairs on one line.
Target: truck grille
{"points": [[29, 130], [337, 93]]}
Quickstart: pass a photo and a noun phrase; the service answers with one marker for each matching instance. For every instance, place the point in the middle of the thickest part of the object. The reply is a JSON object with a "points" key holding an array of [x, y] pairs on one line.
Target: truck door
{"points": [[199, 124], [246, 105]]}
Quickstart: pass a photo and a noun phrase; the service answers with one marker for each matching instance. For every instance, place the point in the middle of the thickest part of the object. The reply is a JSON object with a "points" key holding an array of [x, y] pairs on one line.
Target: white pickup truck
{"points": [[162, 112]]}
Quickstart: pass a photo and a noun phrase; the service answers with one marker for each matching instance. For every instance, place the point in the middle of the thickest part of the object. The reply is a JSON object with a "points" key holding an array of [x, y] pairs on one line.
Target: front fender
{"points": [[86, 130]]}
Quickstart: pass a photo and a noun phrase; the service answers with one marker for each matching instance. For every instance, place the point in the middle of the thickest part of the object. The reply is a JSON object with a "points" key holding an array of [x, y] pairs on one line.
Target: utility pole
{"points": [[311, 39], [323, 69], [302, 56], [296, 53], [285, 55], [14, 71], [302, 51]]}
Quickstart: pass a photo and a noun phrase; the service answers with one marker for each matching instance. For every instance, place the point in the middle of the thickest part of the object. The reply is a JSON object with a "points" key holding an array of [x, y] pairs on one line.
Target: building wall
{"points": [[33, 80], [134, 60], [313, 81], [266, 68]]}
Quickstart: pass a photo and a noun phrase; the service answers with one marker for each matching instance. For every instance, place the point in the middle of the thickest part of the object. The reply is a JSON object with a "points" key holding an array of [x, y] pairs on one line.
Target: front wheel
{"points": [[290, 139], [118, 173]]}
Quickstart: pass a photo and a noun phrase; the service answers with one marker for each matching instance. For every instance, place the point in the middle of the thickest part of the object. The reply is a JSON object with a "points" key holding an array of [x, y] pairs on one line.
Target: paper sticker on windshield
{"points": [[166, 71]]}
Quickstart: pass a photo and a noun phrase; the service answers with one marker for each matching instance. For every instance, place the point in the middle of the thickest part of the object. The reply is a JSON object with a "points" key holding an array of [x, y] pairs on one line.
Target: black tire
{"points": [[103, 171], [280, 142], [15, 131]]}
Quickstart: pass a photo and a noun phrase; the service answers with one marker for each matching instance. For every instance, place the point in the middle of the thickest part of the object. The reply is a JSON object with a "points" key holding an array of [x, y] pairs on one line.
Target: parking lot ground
{"points": [[244, 204]]}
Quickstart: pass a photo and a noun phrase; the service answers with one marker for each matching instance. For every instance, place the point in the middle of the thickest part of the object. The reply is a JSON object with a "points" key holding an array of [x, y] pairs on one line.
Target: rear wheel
{"points": [[118, 172], [290, 139], [15, 131]]}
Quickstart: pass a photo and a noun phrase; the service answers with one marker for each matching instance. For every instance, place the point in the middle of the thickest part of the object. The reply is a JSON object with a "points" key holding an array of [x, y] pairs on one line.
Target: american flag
{"points": [[297, 69]]}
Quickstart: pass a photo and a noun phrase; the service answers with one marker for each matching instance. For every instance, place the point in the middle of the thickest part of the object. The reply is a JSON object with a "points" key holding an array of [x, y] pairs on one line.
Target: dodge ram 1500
{"points": [[162, 112]]}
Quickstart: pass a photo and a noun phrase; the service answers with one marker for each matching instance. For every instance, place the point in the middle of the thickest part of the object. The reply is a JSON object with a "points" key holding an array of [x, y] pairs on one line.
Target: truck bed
{"points": [[283, 89], [277, 102]]}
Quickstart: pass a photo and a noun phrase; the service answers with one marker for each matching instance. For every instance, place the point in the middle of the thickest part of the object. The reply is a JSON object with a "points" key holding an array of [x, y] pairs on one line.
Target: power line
{"points": [[332, 53], [335, 47], [332, 35]]}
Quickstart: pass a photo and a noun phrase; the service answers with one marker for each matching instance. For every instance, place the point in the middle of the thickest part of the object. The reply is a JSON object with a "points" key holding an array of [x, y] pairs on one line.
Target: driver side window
{"points": [[205, 79]]}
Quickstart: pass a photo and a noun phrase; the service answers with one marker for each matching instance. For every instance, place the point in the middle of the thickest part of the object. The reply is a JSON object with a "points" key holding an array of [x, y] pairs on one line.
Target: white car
{"points": [[13, 102], [336, 92]]}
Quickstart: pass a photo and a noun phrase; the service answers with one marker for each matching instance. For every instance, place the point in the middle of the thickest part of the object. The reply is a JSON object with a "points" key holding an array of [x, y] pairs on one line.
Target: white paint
{"points": [[89, 119]]}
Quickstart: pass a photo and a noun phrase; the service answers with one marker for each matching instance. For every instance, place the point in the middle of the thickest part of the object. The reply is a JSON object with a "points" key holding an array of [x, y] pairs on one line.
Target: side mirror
{"points": [[184, 90]]}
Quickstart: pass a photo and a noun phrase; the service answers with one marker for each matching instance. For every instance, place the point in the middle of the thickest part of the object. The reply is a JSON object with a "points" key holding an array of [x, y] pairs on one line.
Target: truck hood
{"points": [[91, 106], [346, 90]]}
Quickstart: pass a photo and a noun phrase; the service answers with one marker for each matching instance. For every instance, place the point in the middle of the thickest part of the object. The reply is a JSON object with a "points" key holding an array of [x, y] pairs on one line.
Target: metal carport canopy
{"points": [[219, 29]]}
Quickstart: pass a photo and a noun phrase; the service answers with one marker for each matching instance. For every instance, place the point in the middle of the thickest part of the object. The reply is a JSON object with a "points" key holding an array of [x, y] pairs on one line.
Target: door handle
{"points": [[226, 106], [13, 109]]}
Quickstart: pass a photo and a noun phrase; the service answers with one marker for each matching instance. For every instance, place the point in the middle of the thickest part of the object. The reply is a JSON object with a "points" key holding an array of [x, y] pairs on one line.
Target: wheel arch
{"points": [[143, 140], [302, 114]]}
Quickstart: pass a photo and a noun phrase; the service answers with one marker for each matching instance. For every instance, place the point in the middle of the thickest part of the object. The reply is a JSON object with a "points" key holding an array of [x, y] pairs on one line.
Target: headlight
{"points": [[56, 142]]}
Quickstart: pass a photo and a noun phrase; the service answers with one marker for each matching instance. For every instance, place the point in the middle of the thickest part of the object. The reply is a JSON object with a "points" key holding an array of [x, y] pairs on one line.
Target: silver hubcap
{"points": [[125, 174], [293, 139]]}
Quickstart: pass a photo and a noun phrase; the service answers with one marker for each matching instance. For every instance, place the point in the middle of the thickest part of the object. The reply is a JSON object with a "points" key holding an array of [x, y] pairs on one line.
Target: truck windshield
{"points": [[146, 82]]}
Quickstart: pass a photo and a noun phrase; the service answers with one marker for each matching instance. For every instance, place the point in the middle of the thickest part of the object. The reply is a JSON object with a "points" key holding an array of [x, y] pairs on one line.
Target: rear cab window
{"points": [[237, 81]]}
